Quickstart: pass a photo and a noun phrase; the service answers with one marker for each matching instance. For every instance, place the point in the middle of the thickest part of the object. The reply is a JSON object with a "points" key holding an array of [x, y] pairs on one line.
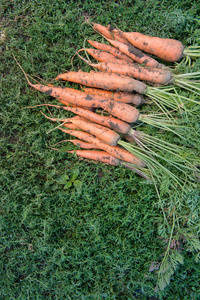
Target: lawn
{"points": [[71, 228]]}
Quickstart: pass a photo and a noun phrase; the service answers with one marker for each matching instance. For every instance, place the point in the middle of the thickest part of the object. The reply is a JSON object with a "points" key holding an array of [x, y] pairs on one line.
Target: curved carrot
{"points": [[105, 81], [136, 99], [116, 151], [153, 75], [110, 49], [167, 49], [136, 54], [105, 134]]}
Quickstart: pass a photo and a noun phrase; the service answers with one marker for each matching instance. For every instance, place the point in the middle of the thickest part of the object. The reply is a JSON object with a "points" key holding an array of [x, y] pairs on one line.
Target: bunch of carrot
{"points": [[117, 89]]}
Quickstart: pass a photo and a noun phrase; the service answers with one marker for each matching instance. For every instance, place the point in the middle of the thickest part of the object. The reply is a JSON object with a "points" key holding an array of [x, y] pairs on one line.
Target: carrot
{"points": [[112, 50], [123, 111], [104, 157], [136, 54], [153, 75], [167, 49], [103, 56], [116, 151], [112, 81], [96, 155], [66, 122], [188, 81], [108, 121], [133, 98], [105, 134], [82, 144], [102, 30], [68, 103], [106, 32], [163, 76], [117, 33], [71, 126], [136, 99], [105, 81]]}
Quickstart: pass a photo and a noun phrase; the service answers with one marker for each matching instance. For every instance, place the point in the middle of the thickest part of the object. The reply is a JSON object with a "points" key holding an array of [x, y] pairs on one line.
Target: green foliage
{"points": [[73, 229], [67, 182]]}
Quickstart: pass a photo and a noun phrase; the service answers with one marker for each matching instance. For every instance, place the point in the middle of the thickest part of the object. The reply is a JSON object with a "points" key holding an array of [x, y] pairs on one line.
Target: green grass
{"points": [[73, 229]]}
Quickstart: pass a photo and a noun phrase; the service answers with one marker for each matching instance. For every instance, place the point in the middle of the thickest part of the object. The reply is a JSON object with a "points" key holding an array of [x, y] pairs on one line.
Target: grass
{"points": [[73, 229]]}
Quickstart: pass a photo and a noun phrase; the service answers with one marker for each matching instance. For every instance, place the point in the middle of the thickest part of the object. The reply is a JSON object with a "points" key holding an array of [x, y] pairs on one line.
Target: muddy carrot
{"points": [[112, 50], [104, 157], [116, 151], [136, 54], [107, 121], [103, 56], [112, 81], [105, 81], [101, 156], [167, 49], [105, 134], [133, 98], [107, 33], [123, 111], [82, 144], [149, 74]]}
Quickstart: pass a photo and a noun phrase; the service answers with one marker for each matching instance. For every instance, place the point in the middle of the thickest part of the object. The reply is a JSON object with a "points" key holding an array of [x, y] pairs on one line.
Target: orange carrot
{"points": [[116, 151], [103, 56], [108, 121], [96, 155], [118, 82], [136, 99], [105, 134], [71, 126], [66, 122], [123, 111], [153, 75], [112, 50], [136, 54], [103, 156], [118, 34], [82, 144], [102, 30], [167, 49], [67, 103], [107, 33], [105, 81]]}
